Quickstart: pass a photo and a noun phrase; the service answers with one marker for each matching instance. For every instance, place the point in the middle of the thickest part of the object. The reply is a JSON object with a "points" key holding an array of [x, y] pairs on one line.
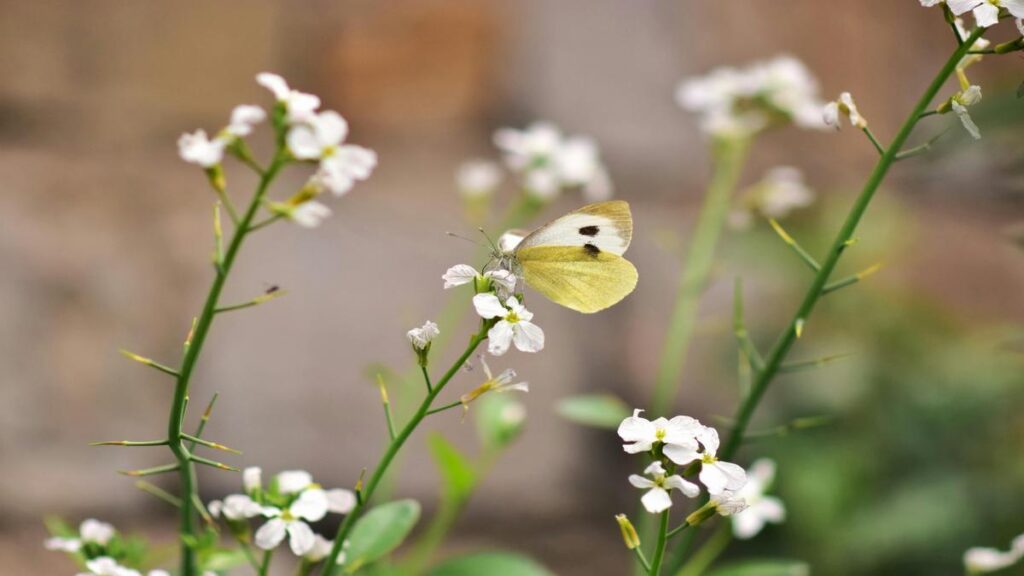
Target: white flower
{"points": [[514, 326], [779, 192], [423, 336], [960, 102], [320, 550], [197, 148], [252, 478], [641, 435], [243, 119], [320, 137], [843, 106], [309, 214], [728, 503], [90, 531], [716, 475], [761, 508], [476, 178], [740, 102], [501, 383], [657, 499], [549, 162], [461, 274], [986, 12], [235, 507], [340, 500], [982, 560], [299, 105], [293, 481], [107, 566], [311, 505]]}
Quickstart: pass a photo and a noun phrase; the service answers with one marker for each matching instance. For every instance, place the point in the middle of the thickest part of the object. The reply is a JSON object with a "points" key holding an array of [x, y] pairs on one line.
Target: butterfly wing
{"points": [[606, 225], [576, 277]]}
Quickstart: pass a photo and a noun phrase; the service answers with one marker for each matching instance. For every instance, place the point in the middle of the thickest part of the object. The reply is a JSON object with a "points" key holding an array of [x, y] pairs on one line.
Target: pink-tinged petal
{"points": [[488, 306], [528, 336], [656, 500], [499, 338]]}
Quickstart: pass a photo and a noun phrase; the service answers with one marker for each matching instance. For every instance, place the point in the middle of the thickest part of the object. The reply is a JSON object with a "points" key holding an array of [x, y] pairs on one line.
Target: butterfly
{"points": [[576, 260]]}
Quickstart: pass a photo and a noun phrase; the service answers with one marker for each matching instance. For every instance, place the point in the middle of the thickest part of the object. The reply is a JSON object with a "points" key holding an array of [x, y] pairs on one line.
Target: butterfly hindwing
{"points": [[584, 279], [606, 225]]}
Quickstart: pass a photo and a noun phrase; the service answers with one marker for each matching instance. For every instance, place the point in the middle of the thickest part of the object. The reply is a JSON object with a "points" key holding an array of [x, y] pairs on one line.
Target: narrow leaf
{"points": [[456, 470]]}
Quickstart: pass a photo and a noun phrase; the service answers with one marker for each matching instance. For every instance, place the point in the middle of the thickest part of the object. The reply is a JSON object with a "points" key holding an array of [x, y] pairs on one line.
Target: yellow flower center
{"points": [[660, 434], [512, 318], [708, 458]]}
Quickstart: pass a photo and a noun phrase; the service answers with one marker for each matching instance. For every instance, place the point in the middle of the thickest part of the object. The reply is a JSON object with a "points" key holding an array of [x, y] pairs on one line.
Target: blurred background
{"points": [[105, 236]]}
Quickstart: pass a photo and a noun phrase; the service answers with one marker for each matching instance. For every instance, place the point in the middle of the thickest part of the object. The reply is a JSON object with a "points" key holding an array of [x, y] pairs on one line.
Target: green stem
{"points": [[330, 563], [814, 293], [659, 550], [265, 565], [730, 156], [176, 438], [710, 551]]}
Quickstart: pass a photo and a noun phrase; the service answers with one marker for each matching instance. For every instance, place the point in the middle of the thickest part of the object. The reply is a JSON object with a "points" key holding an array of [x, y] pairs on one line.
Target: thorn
{"points": [[799, 327], [803, 254], [265, 297], [159, 492], [212, 463], [359, 486], [869, 271], [150, 471], [209, 444], [816, 363], [851, 241], [130, 443], [191, 333], [383, 390], [149, 362]]}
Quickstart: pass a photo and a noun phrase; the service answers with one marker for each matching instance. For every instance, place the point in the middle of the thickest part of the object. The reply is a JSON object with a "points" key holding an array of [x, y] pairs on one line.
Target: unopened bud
{"points": [[215, 174], [629, 535]]}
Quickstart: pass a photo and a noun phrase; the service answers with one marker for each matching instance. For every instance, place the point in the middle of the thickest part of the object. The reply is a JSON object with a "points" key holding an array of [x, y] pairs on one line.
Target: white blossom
{"points": [[197, 148], [252, 479], [462, 274], [309, 214], [549, 162], [311, 506], [476, 178], [423, 336], [960, 102], [716, 475], [983, 560], [781, 191], [844, 106], [107, 566], [514, 325], [641, 434], [298, 105], [320, 137], [90, 531], [728, 503], [761, 508], [235, 507], [293, 481], [658, 486], [243, 119], [986, 12], [740, 102]]}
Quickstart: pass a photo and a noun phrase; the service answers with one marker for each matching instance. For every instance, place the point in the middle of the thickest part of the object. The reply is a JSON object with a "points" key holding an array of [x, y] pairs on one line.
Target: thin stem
{"points": [[445, 407], [330, 563], [874, 141], [709, 552], [642, 559], [265, 565], [675, 531], [730, 156], [202, 327], [265, 222], [659, 550], [426, 378], [228, 206], [814, 292]]}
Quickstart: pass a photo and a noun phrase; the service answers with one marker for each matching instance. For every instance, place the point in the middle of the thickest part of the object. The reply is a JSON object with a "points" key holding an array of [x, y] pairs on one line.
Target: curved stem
{"points": [[730, 156], [176, 438], [659, 550], [860, 206], [330, 563]]}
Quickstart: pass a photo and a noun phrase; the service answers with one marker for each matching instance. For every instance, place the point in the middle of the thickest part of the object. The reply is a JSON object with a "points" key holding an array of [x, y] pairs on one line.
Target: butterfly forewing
{"points": [[606, 225]]}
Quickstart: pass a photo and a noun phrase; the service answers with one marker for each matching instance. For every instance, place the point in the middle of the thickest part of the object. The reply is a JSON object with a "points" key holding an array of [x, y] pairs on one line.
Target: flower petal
{"points": [[528, 337], [300, 537], [340, 501], [311, 505], [499, 338], [689, 489], [656, 500], [271, 534], [488, 306], [458, 275]]}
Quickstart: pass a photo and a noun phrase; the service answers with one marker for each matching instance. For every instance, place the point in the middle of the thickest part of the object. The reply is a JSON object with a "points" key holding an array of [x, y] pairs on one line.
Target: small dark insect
{"points": [[589, 230], [591, 249], [272, 289]]}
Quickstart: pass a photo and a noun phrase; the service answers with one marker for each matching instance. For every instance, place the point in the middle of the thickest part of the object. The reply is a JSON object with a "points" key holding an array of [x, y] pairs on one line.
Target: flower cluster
{"points": [[985, 12], [496, 301], [781, 191], [99, 548], [549, 162], [739, 102], [310, 136], [983, 560], [288, 504]]}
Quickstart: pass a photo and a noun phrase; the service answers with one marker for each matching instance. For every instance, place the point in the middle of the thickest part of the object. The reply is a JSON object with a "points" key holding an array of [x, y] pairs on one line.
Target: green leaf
{"points": [[490, 563], [597, 410], [456, 470], [764, 568], [222, 559], [379, 532], [499, 419]]}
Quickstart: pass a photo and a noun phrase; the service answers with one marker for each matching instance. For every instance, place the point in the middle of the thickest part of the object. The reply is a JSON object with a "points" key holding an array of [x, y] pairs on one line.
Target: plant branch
{"points": [[659, 549]]}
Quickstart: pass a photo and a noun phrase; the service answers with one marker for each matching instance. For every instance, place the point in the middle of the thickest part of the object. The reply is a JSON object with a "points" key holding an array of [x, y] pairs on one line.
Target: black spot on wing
{"points": [[589, 230], [591, 249]]}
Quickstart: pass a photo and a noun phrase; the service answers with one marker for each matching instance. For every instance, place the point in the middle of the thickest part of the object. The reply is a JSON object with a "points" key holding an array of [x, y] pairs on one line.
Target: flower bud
{"points": [[629, 535], [217, 179]]}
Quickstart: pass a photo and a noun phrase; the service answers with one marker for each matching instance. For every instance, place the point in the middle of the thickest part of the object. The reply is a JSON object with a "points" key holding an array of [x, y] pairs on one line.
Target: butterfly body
{"points": [[576, 260]]}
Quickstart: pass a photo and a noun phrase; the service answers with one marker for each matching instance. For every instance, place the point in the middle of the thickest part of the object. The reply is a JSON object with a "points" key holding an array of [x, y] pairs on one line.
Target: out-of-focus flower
{"points": [[235, 507], [243, 119], [781, 191], [90, 531], [984, 560], [550, 162], [959, 104], [252, 479], [422, 337], [761, 508], [657, 499], [299, 106], [501, 383], [728, 503], [320, 137], [844, 106], [514, 325], [320, 550], [310, 506], [739, 102], [716, 475], [476, 178], [641, 434], [308, 214], [293, 481], [197, 148]]}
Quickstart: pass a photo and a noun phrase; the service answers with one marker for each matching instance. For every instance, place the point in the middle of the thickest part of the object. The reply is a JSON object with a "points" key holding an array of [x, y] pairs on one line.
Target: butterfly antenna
{"points": [[470, 240], [494, 246]]}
